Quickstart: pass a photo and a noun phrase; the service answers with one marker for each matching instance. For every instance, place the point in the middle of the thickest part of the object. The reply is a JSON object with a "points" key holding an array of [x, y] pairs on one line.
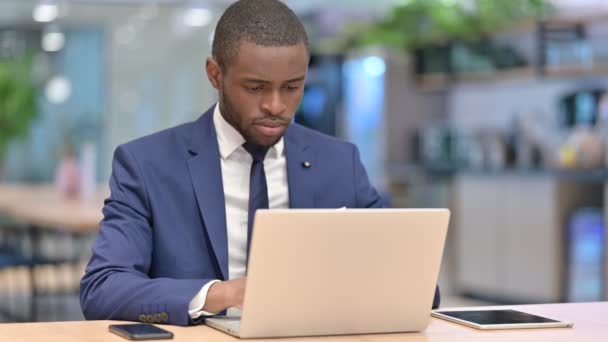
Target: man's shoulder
{"points": [[166, 139], [315, 138]]}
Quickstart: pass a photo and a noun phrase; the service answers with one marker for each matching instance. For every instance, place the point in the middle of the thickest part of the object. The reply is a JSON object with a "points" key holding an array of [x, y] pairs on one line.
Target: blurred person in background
{"points": [[173, 244]]}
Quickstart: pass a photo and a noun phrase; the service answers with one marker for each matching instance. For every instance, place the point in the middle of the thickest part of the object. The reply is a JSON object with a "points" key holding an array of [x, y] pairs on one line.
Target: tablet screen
{"points": [[490, 317]]}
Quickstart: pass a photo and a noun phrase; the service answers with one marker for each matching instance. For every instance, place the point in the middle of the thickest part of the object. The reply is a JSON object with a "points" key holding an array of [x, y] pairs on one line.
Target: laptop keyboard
{"points": [[234, 323], [229, 323]]}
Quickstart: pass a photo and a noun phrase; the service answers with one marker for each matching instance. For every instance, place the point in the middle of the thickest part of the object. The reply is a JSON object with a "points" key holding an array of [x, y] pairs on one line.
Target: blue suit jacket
{"points": [[163, 235]]}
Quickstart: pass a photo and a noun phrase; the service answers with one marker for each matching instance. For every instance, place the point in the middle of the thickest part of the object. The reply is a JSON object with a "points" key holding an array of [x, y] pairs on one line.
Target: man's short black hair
{"points": [[262, 22]]}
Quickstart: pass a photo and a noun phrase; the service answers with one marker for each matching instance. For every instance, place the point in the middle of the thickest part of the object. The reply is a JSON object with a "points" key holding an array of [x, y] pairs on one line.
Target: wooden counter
{"points": [[590, 324]]}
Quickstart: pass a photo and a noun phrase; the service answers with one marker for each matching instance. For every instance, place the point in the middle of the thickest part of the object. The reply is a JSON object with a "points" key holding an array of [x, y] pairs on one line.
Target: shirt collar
{"points": [[230, 140]]}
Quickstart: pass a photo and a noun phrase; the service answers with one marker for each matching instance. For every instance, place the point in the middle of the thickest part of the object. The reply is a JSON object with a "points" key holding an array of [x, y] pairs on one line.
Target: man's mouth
{"points": [[271, 129]]}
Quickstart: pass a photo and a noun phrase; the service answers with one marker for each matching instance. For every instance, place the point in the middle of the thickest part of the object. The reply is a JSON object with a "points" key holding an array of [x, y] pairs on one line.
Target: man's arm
{"points": [[367, 197], [116, 284]]}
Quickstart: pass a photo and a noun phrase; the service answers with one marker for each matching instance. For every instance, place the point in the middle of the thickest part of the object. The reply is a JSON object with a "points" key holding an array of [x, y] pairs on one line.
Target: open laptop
{"points": [[347, 271]]}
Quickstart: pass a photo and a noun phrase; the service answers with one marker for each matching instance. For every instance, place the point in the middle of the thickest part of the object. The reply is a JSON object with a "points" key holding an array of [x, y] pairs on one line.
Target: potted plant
{"points": [[419, 23], [17, 101], [431, 29]]}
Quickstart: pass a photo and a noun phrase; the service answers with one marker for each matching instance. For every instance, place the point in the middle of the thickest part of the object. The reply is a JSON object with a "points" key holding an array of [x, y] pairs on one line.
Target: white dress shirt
{"points": [[236, 167]]}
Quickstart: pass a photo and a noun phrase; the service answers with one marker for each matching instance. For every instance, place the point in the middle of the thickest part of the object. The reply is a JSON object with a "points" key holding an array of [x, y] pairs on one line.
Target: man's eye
{"points": [[255, 89], [292, 87]]}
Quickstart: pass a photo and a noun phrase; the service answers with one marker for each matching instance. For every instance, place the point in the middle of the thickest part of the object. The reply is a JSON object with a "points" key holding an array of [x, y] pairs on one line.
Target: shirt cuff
{"points": [[195, 308]]}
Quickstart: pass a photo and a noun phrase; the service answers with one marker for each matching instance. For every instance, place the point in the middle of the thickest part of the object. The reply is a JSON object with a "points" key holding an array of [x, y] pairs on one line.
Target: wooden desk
{"points": [[42, 206], [590, 324], [40, 209]]}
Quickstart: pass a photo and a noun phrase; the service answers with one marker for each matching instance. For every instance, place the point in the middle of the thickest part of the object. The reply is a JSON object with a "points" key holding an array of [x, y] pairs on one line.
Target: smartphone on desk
{"points": [[141, 331]]}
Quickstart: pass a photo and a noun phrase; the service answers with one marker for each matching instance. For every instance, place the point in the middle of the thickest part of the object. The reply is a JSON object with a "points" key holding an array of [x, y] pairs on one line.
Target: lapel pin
{"points": [[306, 164]]}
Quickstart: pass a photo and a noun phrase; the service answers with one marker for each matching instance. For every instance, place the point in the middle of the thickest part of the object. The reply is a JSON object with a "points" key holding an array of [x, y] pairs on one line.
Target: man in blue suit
{"points": [[172, 246]]}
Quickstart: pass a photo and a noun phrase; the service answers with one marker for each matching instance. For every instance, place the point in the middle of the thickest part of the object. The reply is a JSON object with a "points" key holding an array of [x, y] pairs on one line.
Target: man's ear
{"points": [[214, 73]]}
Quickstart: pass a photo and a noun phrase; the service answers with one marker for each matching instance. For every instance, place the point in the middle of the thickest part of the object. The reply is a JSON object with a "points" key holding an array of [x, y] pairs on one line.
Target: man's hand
{"points": [[225, 294]]}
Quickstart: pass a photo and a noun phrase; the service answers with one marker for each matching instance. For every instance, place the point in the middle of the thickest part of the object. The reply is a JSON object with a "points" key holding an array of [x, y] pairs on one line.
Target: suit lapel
{"points": [[206, 174], [300, 169]]}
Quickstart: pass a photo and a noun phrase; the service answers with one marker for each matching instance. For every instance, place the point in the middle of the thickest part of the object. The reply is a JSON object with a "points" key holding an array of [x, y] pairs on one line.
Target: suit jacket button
{"points": [[149, 318], [164, 317], [142, 318], [157, 318]]}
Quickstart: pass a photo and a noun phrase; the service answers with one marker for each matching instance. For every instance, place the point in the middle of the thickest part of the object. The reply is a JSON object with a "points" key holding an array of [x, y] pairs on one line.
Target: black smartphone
{"points": [[141, 331]]}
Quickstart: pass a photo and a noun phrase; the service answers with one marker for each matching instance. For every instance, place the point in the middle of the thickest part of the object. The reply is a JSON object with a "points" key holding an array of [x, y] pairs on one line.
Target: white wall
{"points": [[156, 81], [153, 74]]}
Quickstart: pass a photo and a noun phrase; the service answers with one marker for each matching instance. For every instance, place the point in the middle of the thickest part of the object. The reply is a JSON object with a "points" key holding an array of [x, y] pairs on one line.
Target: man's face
{"points": [[260, 91]]}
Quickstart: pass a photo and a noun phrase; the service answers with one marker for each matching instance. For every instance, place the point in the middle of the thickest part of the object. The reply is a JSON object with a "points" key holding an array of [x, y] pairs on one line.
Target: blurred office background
{"points": [[496, 109]]}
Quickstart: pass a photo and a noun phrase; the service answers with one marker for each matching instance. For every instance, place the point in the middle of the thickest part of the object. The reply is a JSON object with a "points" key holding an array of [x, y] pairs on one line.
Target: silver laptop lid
{"points": [[350, 271]]}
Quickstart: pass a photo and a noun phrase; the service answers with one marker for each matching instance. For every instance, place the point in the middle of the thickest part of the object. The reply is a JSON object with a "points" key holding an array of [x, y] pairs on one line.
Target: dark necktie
{"points": [[258, 190]]}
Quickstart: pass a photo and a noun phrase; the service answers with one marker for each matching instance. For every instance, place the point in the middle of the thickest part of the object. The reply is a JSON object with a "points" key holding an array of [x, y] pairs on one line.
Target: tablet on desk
{"points": [[499, 319]]}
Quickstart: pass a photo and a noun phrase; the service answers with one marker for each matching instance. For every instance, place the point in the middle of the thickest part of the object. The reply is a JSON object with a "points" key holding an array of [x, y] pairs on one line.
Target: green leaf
{"points": [[17, 100], [420, 23]]}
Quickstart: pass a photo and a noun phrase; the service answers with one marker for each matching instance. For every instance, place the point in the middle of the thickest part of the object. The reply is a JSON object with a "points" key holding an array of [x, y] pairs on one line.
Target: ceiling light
{"points": [[58, 89], [197, 17], [45, 12], [53, 41], [374, 66]]}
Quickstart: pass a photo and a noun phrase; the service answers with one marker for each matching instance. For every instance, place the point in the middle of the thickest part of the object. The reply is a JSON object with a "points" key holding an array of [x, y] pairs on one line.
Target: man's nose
{"points": [[273, 104]]}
